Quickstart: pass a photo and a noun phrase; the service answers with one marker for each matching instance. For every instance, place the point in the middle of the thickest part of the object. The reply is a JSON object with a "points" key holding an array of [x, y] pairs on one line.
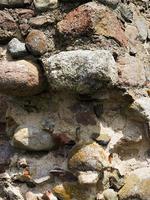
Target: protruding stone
{"points": [[32, 139], [36, 42], [92, 18], [20, 78], [87, 157], [16, 48], [81, 71]]}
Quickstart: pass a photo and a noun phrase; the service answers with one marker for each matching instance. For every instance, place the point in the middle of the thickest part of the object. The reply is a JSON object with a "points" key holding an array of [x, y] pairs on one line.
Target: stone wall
{"points": [[75, 100]]}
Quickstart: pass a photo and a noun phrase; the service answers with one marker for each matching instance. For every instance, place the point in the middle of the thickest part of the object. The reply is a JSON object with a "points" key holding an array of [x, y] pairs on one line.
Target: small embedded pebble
{"points": [[16, 48], [22, 163], [102, 139]]}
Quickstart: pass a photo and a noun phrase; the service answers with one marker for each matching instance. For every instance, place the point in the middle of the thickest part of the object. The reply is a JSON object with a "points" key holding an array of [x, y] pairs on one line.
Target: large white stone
{"points": [[82, 71]]}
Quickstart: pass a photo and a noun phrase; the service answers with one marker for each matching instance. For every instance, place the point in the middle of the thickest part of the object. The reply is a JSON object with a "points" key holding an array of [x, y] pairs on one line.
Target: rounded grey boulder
{"points": [[81, 71]]}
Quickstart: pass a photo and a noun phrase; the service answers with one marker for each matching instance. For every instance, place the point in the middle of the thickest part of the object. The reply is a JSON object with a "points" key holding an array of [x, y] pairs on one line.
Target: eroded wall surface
{"points": [[75, 100]]}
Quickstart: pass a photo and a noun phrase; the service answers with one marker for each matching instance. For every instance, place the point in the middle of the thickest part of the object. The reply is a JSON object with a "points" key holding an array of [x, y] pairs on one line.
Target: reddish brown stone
{"points": [[20, 78], [36, 42], [8, 26], [93, 17], [109, 26], [76, 22]]}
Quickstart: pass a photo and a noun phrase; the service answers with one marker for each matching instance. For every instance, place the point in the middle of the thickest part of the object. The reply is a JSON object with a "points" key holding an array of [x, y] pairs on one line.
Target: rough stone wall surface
{"points": [[74, 100]]}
